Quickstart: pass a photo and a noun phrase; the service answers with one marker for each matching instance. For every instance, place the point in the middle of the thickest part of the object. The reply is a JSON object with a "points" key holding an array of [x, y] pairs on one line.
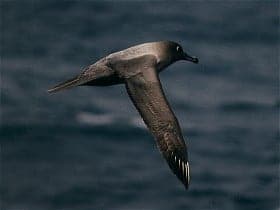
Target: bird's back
{"points": [[150, 48]]}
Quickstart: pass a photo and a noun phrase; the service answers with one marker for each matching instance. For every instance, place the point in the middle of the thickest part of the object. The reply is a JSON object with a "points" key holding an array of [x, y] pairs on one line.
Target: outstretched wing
{"points": [[146, 93]]}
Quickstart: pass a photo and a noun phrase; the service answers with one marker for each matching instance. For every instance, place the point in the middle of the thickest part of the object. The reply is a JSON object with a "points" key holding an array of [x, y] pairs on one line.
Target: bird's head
{"points": [[177, 53]]}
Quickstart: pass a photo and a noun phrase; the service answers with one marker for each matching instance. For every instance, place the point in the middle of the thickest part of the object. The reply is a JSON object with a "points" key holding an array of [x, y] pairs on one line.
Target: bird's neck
{"points": [[162, 64]]}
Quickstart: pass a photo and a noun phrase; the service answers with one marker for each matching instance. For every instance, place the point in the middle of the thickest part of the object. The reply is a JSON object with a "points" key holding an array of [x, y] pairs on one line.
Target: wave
{"points": [[99, 119], [109, 119], [244, 106]]}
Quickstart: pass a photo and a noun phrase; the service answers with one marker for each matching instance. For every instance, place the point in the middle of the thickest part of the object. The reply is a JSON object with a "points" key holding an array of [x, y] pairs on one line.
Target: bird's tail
{"points": [[76, 81], [90, 74]]}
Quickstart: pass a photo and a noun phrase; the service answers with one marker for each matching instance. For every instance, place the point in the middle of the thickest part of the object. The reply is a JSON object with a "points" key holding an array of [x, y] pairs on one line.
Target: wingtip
{"points": [[181, 168], [186, 173], [188, 176]]}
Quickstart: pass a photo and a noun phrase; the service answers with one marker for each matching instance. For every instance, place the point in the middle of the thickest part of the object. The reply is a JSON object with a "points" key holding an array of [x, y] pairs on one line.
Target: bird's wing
{"points": [[147, 95]]}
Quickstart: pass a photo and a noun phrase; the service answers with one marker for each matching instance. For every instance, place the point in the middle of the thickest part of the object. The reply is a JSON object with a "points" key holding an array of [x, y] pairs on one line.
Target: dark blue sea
{"points": [[88, 149]]}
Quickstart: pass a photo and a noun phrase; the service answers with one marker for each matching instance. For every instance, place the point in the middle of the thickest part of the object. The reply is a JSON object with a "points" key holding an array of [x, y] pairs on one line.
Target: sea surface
{"points": [[88, 149]]}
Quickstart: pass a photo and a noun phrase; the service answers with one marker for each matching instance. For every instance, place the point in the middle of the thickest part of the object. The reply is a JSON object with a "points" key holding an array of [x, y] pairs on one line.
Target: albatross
{"points": [[138, 68]]}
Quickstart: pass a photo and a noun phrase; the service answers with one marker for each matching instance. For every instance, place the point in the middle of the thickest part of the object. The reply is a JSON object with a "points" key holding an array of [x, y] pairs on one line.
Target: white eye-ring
{"points": [[178, 48]]}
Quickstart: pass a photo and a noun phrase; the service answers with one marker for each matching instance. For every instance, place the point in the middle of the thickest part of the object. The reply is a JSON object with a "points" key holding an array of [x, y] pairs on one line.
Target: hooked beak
{"points": [[190, 58]]}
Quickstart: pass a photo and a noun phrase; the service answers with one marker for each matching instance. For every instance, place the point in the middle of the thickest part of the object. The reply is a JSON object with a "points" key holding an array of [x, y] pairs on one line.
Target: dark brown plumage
{"points": [[138, 67]]}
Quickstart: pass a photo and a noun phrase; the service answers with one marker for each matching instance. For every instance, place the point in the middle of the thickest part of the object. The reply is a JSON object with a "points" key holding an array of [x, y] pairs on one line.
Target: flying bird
{"points": [[138, 67]]}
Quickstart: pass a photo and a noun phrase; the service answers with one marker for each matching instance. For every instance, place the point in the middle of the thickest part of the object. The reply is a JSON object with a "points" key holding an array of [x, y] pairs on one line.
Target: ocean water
{"points": [[87, 148]]}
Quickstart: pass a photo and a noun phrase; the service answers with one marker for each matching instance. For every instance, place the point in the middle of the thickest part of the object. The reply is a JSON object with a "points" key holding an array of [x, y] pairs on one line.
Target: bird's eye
{"points": [[178, 48]]}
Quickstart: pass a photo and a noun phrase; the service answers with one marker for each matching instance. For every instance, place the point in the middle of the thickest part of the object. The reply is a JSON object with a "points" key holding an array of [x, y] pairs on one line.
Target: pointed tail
{"points": [[90, 73], [76, 81]]}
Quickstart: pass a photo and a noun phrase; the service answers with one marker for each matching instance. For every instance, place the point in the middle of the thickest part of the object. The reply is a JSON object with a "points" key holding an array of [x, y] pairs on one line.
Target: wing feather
{"points": [[146, 93]]}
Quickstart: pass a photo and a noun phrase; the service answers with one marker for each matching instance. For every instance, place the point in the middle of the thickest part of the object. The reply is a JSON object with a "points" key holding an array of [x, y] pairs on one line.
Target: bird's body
{"points": [[138, 67]]}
